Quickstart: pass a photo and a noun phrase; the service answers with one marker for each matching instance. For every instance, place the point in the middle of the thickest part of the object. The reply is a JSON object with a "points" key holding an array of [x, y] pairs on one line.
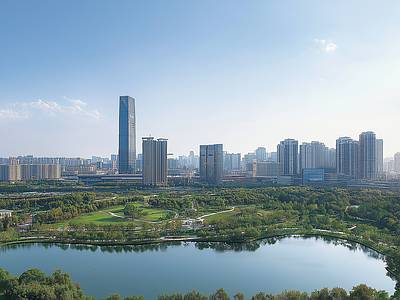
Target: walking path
{"points": [[219, 212], [114, 215]]}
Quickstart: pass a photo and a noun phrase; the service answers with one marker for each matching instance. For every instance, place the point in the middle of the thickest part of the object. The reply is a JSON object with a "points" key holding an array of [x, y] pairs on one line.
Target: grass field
{"points": [[223, 215], [154, 215], [103, 217]]}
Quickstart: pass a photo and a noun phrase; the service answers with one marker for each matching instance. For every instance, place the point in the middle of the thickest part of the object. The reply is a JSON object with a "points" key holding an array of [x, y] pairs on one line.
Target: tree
{"points": [[381, 295], [4, 278], [114, 296], [220, 294], [32, 275], [131, 211], [361, 292], [174, 296], [258, 296], [193, 295], [134, 297], [338, 293], [238, 296]]}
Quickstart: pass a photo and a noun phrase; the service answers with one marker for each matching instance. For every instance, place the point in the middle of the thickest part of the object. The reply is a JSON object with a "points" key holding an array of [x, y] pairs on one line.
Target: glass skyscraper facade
{"points": [[127, 136], [211, 164]]}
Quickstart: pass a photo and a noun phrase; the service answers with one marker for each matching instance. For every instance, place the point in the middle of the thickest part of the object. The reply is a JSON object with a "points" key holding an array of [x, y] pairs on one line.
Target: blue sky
{"points": [[242, 73]]}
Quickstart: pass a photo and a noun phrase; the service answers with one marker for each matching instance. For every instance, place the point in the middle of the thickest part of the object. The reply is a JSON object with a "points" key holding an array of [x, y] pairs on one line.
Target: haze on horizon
{"points": [[244, 74]]}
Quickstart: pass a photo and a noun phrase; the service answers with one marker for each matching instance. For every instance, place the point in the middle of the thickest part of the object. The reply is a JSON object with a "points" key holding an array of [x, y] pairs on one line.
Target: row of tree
{"points": [[35, 284]]}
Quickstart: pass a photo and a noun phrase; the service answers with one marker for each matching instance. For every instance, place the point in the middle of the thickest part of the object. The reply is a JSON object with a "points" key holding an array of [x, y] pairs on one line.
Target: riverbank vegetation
{"points": [[136, 215], [35, 284]]}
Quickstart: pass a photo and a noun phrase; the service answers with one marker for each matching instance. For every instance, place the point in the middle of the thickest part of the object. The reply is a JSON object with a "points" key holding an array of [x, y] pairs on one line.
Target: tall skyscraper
{"points": [[288, 152], [367, 155], [347, 156], [379, 156], [127, 136], [155, 163], [211, 163]]}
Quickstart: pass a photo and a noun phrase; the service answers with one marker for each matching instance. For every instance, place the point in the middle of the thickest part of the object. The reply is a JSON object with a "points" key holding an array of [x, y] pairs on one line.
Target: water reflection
{"points": [[219, 247]]}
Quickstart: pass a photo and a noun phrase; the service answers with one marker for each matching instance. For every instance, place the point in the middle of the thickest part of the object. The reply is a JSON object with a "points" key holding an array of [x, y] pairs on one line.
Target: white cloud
{"points": [[329, 47], [53, 108], [49, 108], [9, 114]]}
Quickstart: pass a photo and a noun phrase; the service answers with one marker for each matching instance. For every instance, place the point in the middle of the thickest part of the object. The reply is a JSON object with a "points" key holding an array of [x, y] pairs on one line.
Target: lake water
{"points": [[270, 265]]}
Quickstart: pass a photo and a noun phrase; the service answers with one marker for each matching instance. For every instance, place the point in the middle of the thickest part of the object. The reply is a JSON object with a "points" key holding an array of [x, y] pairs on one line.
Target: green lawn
{"points": [[154, 215], [100, 218], [223, 215], [103, 217]]}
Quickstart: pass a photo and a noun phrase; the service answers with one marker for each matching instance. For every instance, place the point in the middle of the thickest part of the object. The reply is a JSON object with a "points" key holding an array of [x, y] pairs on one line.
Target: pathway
{"points": [[219, 212]]}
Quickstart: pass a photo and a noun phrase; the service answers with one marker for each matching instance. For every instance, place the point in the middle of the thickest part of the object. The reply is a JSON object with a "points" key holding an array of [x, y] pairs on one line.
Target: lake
{"points": [[269, 265]]}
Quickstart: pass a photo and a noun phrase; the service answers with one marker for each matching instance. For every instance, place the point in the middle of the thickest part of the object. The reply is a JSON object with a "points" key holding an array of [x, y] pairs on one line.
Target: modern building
{"points": [[396, 162], [312, 176], [261, 154], [154, 161], [4, 213], [127, 136], [367, 156], [268, 168], [379, 156], [288, 151], [347, 156], [232, 161], [330, 157], [21, 172], [312, 155], [211, 164]]}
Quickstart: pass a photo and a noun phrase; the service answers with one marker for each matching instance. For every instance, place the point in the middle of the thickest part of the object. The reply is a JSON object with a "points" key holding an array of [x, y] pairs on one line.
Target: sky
{"points": [[246, 74]]}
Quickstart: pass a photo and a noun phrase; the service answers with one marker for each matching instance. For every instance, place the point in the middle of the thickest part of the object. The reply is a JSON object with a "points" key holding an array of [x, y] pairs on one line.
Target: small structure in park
{"points": [[4, 213]]}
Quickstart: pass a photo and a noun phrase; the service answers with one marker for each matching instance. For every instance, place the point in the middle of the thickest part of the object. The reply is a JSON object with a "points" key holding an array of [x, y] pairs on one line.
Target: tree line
{"points": [[35, 284]]}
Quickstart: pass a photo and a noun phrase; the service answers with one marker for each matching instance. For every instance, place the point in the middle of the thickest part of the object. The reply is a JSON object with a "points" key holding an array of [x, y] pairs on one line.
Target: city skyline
{"points": [[242, 74]]}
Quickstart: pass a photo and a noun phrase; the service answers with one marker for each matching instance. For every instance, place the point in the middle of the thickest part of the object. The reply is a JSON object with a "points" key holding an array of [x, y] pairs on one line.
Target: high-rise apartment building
{"points": [[288, 152], [312, 155], [367, 156], [347, 156], [127, 136], [154, 161], [211, 164], [379, 156], [232, 161], [330, 157], [396, 162], [261, 154]]}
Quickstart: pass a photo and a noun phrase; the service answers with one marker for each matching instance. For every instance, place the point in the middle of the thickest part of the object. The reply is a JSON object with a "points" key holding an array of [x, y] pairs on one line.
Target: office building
{"points": [[288, 151], [154, 161], [367, 156], [211, 164], [312, 176], [127, 136], [347, 156], [379, 156], [268, 168]]}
